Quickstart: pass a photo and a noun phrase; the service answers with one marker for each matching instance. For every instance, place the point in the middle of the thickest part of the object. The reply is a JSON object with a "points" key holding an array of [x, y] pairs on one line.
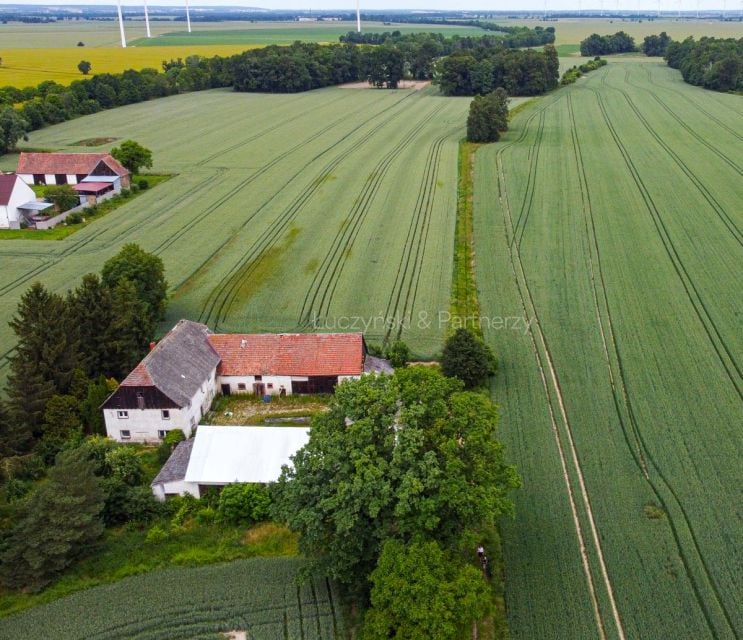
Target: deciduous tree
{"points": [[395, 457], [468, 358], [133, 156]]}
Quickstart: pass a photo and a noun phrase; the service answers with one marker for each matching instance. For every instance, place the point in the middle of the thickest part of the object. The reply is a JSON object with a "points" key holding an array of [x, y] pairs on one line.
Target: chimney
{"points": [[152, 345], [243, 343]]}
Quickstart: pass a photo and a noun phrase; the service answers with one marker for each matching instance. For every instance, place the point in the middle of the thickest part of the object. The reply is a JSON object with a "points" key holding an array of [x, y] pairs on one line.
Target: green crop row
{"points": [[610, 216], [260, 596]]}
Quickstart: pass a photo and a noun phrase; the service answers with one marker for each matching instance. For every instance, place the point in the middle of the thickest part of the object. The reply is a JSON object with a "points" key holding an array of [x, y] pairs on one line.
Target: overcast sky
{"points": [[733, 6]]}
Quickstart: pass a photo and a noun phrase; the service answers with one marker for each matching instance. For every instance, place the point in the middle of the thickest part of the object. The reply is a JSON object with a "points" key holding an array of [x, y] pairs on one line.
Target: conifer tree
{"points": [[44, 360], [58, 523], [468, 358]]}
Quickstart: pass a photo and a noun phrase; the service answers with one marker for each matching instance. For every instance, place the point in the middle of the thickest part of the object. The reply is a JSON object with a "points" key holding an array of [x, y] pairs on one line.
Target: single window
{"points": [[122, 414], [165, 414], [60, 178], [270, 385], [39, 178], [258, 378], [241, 386], [140, 400], [125, 434], [161, 433]]}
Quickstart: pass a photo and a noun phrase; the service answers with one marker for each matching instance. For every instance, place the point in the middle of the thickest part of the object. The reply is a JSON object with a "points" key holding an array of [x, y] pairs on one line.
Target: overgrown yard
{"points": [[251, 410]]}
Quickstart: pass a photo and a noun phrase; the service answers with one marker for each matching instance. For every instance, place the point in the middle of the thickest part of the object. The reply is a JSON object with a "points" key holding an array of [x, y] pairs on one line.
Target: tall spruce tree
{"points": [[58, 524], [131, 331], [44, 361], [91, 304]]}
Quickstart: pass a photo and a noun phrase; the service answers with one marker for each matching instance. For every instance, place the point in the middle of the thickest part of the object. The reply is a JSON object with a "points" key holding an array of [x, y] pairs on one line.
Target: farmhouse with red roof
{"points": [[88, 172], [175, 384]]}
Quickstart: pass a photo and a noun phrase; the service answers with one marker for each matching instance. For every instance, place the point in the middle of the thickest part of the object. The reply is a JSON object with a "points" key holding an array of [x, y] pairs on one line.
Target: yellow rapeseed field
{"points": [[29, 67]]}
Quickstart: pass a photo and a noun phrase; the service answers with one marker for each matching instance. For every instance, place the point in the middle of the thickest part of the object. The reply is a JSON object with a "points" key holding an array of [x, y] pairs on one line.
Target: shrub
{"points": [[143, 184], [156, 534], [206, 516], [398, 354], [125, 193], [468, 358], [244, 503], [74, 218]]}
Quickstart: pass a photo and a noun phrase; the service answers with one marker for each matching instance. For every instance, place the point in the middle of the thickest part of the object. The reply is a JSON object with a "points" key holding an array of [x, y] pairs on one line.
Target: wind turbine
{"points": [[188, 17], [121, 25], [358, 17], [147, 20]]}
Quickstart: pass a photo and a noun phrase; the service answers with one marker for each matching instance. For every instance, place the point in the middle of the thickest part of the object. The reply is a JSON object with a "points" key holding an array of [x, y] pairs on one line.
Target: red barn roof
{"points": [[67, 163], [290, 354], [7, 182]]}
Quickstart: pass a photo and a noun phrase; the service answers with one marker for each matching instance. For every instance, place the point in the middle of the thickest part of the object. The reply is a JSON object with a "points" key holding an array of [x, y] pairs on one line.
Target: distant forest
{"points": [[712, 63], [459, 65]]}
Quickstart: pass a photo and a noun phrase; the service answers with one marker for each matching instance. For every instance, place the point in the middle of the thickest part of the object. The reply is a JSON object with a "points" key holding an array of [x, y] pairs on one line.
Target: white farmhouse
{"points": [[218, 456], [13, 194], [173, 387]]}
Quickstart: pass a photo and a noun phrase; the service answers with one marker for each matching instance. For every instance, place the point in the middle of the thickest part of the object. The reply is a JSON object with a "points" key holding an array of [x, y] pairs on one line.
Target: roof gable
{"points": [[179, 364], [291, 354], [7, 184]]}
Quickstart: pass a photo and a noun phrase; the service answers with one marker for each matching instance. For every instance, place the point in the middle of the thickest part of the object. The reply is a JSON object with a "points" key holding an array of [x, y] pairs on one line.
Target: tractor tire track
{"points": [[225, 292], [202, 214], [553, 393], [706, 194], [691, 290], [622, 400], [415, 243], [320, 292]]}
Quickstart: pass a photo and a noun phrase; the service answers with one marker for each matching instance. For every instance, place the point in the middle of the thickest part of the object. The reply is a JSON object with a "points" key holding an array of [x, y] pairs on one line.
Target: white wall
{"points": [[163, 489], [276, 381], [26, 177], [201, 402], [71, 179], [9, 215], [143, 424]]}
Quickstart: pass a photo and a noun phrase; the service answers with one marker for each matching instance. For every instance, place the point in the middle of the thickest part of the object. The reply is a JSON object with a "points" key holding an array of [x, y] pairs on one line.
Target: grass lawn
{"points": [[63, 230], [125, 552]]}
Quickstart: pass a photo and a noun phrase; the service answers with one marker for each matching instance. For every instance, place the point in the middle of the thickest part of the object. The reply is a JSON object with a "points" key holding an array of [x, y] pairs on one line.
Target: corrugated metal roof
{"points": [[94, 178], [222, 455], [36, 206]]}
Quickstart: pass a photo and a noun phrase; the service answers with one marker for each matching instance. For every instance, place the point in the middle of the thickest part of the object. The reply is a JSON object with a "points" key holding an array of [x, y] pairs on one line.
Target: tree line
{"points": [[289, 69], [712, 63], [575, 72], [480, 71], [596, 45]]}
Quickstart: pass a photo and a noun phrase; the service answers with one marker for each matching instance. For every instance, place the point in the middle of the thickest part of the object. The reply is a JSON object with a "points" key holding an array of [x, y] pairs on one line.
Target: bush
{"points": [[244, 504], [171, 439], [156, 534], [398, 354], [143, 184], [74, 218], [125, 193], [468, 358], [206, 516]]}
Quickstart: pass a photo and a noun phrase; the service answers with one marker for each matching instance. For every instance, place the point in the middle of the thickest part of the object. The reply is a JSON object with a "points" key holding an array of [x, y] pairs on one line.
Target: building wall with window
{"points": [[247, 384], [145, 425]]}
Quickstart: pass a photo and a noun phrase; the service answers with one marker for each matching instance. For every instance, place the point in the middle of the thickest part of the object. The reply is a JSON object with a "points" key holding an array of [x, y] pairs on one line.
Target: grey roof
{"points": [[180, 363], [372, 364], [36, 206], [175, 467]]}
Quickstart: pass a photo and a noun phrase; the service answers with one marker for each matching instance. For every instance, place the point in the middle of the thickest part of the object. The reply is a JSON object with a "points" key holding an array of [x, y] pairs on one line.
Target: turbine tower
{"points": [[121, 25], [358, 17], [188, 17], [147, 20]]}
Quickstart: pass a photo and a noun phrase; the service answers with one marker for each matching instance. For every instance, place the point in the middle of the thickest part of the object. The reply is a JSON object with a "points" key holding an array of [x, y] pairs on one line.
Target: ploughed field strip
{"points": [[610, 217], [329, 210], [260, 596]]}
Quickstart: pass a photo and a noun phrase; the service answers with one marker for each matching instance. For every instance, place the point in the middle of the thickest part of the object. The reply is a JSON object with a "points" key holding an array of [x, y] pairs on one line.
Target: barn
{"points": [[72, 169]]}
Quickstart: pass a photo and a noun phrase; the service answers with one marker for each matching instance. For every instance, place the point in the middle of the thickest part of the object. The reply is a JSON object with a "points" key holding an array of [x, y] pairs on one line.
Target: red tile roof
{"points": [[67, 163], [139, 377], [7, 182], [290, 354]]}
